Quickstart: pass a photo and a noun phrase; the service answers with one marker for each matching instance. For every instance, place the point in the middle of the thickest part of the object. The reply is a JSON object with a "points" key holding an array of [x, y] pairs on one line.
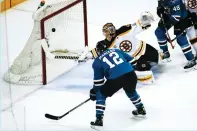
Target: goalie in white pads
{"points": [[192, 16], [125, 40]]}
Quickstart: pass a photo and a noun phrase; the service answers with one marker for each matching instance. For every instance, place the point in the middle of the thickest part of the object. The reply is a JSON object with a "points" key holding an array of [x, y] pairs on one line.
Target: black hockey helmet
{"points": [[109, 29], [101, 46]]}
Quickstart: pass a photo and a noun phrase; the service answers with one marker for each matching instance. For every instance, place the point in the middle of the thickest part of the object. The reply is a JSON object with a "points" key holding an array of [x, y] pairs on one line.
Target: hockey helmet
{"points": [[109, 29], [101, 46]]}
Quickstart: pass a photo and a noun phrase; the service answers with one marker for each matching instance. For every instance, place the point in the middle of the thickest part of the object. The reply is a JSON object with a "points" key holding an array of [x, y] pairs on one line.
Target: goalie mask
{"points": [[109, 29]]}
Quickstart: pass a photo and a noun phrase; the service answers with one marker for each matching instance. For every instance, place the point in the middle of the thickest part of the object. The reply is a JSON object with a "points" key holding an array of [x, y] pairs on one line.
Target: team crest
{"points": [[192, 4], [125, 46]]}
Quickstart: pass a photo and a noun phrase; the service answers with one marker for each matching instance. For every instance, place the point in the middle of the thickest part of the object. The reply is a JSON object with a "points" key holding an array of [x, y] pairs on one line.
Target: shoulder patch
{"points": [[94, 53]]}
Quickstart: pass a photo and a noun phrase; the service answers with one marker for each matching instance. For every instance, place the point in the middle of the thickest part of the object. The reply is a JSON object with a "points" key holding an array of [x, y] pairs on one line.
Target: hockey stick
{"points": [[178, 36], [50, 55], [169, 39], [49, 116], [181, 33]]}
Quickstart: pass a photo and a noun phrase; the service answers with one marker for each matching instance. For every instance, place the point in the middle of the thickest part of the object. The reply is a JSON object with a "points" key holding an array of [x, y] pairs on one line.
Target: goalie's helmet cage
{"points": [[109, 29], [63, 25]]}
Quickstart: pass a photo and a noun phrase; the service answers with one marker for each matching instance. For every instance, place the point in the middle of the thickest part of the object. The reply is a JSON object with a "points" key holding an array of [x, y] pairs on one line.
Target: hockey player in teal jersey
{"points": [[112, 71], [174, 13]]}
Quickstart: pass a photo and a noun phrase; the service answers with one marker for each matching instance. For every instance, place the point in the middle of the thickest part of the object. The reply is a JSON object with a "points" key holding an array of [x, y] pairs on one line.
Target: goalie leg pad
{"points": [[151, 54], [142, 65], [145, 77], [194, 43], [191, 33]]}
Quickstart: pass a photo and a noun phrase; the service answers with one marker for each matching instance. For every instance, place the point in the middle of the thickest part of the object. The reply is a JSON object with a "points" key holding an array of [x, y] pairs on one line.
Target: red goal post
{"points": [[52, 15], [62, 25]]}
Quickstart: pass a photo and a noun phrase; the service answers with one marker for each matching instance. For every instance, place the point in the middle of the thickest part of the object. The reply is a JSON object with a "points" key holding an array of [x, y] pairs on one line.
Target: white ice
{"points": [[170, 102]]}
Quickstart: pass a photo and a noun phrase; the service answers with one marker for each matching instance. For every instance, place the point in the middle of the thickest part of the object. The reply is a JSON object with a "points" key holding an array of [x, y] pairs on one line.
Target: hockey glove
{"points": [[146, 18], [93, 94], [166, 22], [160, 10]]}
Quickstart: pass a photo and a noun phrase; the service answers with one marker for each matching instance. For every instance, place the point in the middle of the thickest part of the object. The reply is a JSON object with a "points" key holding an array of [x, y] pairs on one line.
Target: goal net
{"points": [[59, 32]]}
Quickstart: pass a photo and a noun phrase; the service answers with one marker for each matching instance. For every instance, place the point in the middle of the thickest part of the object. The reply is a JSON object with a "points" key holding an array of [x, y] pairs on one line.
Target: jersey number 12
{"points": [[116, 58]]}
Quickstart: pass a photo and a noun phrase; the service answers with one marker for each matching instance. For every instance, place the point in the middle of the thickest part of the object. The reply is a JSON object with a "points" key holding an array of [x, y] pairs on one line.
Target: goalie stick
{"points": [[49, 116], [49, 55]]}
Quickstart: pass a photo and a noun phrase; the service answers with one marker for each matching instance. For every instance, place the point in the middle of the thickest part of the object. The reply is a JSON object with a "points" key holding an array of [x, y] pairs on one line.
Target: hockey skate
{"points": [[98, 124], [165, 57], [190, 65], [139, 111]]}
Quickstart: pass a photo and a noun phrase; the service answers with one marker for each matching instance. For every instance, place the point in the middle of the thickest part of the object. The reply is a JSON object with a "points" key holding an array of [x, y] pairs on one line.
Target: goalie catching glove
{"points": [[146, 18]]}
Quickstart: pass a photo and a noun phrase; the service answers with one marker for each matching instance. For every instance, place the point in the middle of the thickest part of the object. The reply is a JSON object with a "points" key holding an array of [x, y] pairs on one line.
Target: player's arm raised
{"points": [[143, 23]]}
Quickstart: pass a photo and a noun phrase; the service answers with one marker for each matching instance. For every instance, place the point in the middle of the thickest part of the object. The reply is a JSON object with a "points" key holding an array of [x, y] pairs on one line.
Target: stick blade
{"points": [[52, 117]]}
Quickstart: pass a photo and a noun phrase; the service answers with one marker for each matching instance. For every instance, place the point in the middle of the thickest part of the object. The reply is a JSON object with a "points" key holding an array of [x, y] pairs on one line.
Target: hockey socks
{"points": [[185, 46], [194, 43], [162, 39], [136, 100], [100, 104]]}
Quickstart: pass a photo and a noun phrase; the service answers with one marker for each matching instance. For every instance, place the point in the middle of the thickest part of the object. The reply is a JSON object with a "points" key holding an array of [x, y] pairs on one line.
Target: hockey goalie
{"points": [[124, 39]]}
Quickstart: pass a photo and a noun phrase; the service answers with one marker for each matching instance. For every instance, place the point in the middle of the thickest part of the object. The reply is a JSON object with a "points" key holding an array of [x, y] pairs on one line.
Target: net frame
{"points": [[42, 29]]}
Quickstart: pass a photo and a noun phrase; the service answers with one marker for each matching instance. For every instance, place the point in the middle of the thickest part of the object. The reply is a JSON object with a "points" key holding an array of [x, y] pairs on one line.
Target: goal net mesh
{"points": [[61, 24]]}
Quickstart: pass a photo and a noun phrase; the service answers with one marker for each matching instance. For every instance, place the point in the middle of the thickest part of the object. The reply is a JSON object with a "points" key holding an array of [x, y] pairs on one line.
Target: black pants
{"points": [[151, 55], [182, 25], [178, 27], [128, 82]]}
